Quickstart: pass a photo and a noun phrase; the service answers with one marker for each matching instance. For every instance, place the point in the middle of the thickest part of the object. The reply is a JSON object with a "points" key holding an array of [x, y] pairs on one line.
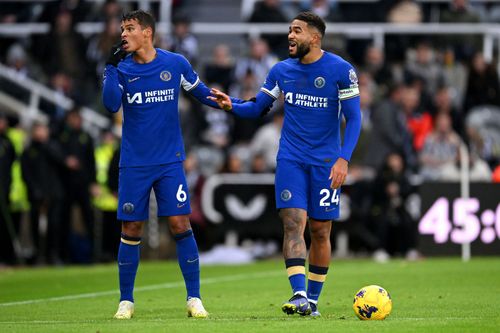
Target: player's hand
{"points": [[116, 54], [222, 100], [338, 173]]}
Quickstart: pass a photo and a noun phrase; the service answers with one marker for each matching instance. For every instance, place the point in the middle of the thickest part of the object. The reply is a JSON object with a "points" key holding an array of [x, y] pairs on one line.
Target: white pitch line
{"points": [[238, 277]]}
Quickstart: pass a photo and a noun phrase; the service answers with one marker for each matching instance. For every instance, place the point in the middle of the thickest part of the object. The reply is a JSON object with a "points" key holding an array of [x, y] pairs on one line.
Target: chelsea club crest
{"points": [[286, 195], [353, 77], [319, 82], [165, 75]]}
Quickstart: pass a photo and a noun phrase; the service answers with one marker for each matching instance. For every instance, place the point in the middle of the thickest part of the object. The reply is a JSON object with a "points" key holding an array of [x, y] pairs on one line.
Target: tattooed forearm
{"points": [[294, 222]]}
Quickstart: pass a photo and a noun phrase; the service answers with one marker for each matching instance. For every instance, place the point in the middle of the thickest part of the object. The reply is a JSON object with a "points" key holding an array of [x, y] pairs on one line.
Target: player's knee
{"points": [[179, 224], [292, 224], [132, 229], [320, 233]]}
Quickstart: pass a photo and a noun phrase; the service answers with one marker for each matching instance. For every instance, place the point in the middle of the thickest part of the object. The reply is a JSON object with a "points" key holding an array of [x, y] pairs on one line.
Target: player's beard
{"points": [[302, 50]]}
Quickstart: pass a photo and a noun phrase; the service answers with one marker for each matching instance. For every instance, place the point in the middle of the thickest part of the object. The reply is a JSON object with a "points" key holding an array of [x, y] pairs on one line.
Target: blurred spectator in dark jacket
{"points": [[220, 70], [79, 177], [182, 40], [376, 66], [269, 11], [63, 49], [459, 11], [389, 131], [100, 45], [482, 84], [394, 226], [7, 157], [41, 164]]}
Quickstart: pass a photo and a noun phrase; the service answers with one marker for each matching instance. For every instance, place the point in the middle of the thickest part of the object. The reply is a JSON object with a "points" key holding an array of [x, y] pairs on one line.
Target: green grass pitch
{"points": [[434, 295]]}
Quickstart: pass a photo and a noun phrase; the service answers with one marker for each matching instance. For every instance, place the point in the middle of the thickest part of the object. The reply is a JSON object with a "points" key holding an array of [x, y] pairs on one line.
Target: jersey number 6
{"points": [[181, 194]]}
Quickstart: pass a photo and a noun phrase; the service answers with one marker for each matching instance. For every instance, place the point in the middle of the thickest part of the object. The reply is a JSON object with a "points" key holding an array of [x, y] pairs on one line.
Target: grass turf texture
{"points": [[435, 295]]}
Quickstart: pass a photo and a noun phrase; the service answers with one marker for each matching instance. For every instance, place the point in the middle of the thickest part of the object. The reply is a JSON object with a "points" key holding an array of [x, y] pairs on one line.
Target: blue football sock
{"points": [[296, 270], [316, 278], [187, 255], [128, 262]]}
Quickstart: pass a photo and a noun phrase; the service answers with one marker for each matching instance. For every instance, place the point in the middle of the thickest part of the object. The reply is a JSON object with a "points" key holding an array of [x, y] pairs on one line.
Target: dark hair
{"points": [[312, 20], [145, 19]]}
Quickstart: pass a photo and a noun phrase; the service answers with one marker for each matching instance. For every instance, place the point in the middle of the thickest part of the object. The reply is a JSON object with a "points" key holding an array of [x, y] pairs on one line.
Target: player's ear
{"points": [[317, 37], [148, 32]]}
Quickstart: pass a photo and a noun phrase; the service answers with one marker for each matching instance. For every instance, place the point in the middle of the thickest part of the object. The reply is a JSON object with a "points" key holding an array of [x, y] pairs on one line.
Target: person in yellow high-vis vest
{"points": [[105, 200], [7, 229]]}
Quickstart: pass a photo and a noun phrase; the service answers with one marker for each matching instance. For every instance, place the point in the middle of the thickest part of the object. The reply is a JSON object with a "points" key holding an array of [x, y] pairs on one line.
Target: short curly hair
{"points": [[145, 19], [312, 20]]}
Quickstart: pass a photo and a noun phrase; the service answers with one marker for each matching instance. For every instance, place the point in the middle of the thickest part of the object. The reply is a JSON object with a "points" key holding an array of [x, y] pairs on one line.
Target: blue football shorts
{"points": [[168, 182], [306, 186]]}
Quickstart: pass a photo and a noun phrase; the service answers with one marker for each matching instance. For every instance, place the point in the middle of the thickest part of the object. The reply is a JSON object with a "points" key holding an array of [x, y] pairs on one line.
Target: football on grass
{"points": [[372, 303]]}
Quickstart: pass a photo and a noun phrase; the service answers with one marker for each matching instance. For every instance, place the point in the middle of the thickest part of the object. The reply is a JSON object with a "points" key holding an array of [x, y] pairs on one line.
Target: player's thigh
{"points": [[171, 191], [324, 202], [134, 188], [291, 185]]}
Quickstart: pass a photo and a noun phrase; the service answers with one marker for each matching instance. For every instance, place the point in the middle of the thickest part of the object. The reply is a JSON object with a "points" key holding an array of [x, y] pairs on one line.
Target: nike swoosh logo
{"points": [[302, 304], [180, 205], [191, 261], [134, 79], [329, 209], [124, 263]]}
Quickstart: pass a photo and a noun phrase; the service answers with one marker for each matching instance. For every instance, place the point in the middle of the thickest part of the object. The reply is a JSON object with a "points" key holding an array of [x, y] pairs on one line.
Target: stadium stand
{"points": [[425, 67]]}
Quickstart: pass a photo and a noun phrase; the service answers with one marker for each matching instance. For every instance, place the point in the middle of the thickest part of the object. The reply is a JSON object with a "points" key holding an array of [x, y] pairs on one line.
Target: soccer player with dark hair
{"points": [[312, 162], [146, 81]]}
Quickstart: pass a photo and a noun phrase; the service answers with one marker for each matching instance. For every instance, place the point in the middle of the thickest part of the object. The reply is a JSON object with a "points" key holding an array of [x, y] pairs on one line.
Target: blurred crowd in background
{"points": [[422, 98]]}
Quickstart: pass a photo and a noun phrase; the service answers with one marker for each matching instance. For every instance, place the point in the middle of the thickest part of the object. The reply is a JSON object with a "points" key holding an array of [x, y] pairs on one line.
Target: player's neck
{"points": [[145, 55], [312, 56]]}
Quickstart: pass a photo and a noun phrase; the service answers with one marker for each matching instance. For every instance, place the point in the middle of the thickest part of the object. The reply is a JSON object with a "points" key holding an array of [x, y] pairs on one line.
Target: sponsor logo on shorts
{"points": [[286, 195], [179, 205]]}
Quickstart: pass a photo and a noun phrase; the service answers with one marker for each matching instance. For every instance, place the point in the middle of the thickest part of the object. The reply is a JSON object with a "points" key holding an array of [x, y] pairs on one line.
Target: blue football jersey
{"points": [[149, 95], [312, 95]]}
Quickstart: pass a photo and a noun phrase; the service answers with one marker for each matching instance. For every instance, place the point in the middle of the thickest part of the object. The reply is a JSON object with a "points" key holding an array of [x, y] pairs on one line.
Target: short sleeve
{"points": [[271, 86], [348, 82]]}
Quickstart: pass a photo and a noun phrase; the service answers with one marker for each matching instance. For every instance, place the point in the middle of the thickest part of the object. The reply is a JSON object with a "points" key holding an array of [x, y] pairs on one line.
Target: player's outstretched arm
{"points": [[256, 107], [201, 91]]}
